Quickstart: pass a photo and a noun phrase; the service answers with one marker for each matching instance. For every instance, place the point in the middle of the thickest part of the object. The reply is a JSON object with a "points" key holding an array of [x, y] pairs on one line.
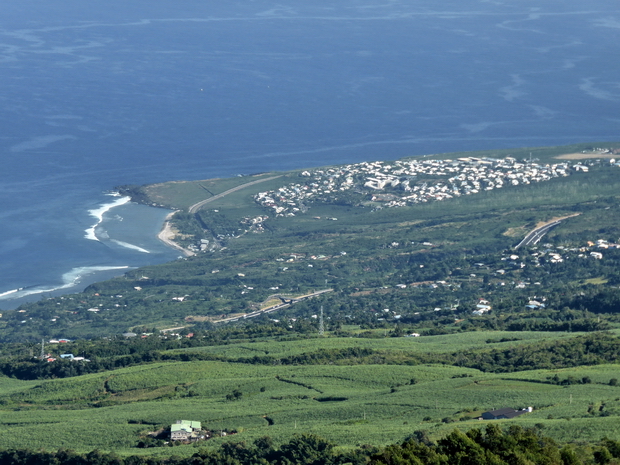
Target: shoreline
{"points": [[167, 234]]}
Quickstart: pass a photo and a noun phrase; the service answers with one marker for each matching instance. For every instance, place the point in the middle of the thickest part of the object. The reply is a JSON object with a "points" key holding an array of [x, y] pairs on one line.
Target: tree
{"points": [[235, 395], [569, 457], [602, 456], [307, 449], [264, 448], [462, 450]]}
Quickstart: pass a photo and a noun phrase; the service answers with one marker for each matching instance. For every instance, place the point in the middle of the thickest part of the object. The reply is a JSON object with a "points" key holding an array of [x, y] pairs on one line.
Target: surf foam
{"points": [[99, 212], [70, 279]]}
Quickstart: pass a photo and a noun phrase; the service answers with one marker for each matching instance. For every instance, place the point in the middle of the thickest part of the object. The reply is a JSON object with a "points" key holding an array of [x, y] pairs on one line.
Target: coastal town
{"points": [[374, 185], [400, 183], [499, 271]]}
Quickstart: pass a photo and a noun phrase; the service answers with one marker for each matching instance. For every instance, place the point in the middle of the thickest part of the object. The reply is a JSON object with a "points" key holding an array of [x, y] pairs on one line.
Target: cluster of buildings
{"points": [[70, 357], [504, 413], [401, 183], [549, 253], [504, 276], [186, 430]]}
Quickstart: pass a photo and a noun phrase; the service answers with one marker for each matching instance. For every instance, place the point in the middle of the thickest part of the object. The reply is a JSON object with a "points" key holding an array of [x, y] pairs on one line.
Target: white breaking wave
{"points": [[99, 212], [13, 291], [73, 277], [130, 246], [70, 279]]}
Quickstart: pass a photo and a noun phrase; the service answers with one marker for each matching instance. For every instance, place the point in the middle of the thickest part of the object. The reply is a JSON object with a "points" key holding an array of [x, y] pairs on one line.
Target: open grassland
{"points": [[350, 405], [183, 194]]}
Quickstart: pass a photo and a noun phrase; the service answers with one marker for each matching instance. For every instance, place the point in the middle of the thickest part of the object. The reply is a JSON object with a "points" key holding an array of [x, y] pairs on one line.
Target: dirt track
{"points": [[584, 156]]}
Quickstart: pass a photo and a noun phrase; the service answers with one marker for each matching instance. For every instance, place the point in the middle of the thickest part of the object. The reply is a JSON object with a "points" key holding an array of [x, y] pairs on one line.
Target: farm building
{"points": [[185, 430], [504, 413]]}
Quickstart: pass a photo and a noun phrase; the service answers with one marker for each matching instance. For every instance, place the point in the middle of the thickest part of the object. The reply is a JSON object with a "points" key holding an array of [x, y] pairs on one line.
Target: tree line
{"points": [[489, 446], [591, 349]]}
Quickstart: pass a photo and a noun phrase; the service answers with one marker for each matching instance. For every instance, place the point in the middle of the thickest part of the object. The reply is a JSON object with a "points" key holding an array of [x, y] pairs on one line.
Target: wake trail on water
{"points": [[130, 246]]}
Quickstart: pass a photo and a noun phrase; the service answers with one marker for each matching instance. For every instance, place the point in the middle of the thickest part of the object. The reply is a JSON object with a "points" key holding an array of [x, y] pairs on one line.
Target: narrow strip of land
{"points": [[198, 205]]}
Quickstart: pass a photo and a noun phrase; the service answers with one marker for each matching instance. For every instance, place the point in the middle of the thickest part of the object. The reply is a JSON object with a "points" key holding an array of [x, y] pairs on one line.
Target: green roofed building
{"points": [[185, 430]]}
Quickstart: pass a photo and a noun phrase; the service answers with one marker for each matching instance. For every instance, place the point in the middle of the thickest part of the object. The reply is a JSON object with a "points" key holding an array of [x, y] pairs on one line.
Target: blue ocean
{"points": [[96, 94]]}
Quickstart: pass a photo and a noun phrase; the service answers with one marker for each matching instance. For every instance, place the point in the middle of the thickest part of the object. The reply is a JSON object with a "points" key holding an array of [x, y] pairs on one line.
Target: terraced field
{"points": [[350, 405]]}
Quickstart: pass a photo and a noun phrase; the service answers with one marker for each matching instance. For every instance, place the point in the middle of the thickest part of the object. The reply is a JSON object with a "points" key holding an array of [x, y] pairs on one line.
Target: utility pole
{"points": [[321, 324]]}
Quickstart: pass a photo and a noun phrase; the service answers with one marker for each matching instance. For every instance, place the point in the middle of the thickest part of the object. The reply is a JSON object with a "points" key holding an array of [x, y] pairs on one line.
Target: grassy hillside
{"points": [[547, 338], [349, 405]]}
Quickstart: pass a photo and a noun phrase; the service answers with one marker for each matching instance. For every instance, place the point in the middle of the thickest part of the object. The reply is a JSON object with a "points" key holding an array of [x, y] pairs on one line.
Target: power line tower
{"points": [[42, 349], [321, 325]]}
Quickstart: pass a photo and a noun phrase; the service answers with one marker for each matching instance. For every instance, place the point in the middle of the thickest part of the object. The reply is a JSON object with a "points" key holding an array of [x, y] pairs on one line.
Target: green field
{"points": [[435, 344], [349, 405]]}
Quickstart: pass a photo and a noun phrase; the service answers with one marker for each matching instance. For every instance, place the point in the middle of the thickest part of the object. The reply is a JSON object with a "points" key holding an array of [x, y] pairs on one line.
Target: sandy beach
{"points": [[167, 234]]}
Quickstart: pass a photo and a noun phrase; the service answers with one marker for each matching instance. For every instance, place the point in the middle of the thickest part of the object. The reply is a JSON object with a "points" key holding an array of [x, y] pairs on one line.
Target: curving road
{"points": [[535, 235], [273, 308], [198, 205]]}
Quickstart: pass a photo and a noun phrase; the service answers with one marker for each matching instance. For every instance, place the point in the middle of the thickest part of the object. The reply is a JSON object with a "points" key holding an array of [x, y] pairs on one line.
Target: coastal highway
{"points": [[273, 308], [198, 205], [537, 234]]}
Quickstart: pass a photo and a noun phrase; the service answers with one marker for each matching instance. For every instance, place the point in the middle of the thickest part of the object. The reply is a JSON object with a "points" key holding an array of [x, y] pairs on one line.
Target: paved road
{"points": [[273, 308], [171, 329], [537, 234], [198, 205]]}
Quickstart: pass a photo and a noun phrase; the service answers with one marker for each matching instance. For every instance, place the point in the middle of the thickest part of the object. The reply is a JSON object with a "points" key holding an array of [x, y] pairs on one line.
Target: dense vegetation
{"points": [[489, 446], [369, 389], [105, 355]]}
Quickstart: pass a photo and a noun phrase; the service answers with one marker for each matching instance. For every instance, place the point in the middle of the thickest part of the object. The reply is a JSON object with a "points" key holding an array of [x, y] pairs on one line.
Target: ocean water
{"points": [[98, 94]]}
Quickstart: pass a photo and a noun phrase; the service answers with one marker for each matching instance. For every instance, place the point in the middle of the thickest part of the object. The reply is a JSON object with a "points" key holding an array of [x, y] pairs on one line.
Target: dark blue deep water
{"points": [[95, 94]]}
